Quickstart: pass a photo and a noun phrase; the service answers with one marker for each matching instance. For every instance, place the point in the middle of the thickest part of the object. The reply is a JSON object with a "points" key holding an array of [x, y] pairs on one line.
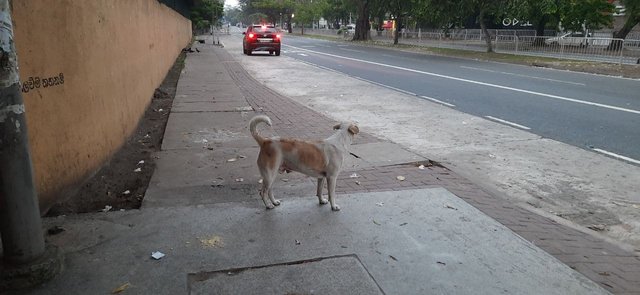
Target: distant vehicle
{"points": [[569, 39], [351, 28], [261, 38]]}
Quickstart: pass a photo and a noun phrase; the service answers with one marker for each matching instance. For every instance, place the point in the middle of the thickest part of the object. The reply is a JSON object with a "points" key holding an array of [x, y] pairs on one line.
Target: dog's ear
{"points": [[353, 129], [337, 127]]}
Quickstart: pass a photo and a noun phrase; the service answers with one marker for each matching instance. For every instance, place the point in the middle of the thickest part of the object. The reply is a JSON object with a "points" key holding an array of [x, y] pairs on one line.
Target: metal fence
{"points": [[590, 49], [522, 42]]}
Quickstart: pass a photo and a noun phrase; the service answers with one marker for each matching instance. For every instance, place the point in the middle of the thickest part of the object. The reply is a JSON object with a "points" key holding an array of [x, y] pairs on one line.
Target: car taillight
{"points": [[278, 36], [251, 35]]}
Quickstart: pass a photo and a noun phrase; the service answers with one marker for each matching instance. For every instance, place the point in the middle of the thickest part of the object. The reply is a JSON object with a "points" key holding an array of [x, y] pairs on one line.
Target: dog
{"points": [[320, 159]]}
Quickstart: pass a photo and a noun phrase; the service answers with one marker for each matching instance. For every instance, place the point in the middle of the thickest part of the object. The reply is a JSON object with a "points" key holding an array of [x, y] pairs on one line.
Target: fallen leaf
{"points": [[241, 156], [260, 180], [354, 175], [401, 178], [106, 208], [421, 167], [285, 179], [298, 242], [380, 204], [126, 192], [604, 273], [441, 263], [137, 170], [212, 242], [403, 224], [121, 288], [239, 179], [395, 259], [357, 182], [450, 207], [232, 160], [375, 222]]}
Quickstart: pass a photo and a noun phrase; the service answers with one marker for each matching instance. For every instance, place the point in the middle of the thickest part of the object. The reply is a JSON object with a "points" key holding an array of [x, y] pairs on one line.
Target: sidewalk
{"points": [[434, 232]]}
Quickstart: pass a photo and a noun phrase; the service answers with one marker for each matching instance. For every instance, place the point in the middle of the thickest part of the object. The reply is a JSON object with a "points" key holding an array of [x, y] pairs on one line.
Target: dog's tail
{"points": [[254, 122]]}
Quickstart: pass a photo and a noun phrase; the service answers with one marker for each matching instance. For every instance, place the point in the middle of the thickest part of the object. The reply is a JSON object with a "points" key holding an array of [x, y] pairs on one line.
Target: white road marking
{"points": [[507, 122], [520, 75], [480, 83], [620, 157], [385, 86], [352, 50], [438, 101]]}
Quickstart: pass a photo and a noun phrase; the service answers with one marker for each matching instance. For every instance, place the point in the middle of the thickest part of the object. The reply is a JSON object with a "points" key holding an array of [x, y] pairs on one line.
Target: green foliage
{"points": [[592, 14], [206, 12]]}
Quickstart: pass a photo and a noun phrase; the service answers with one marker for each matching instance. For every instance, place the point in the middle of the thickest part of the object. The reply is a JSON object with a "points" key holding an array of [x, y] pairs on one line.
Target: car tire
{"points": [[278, 52], [248, 51]]}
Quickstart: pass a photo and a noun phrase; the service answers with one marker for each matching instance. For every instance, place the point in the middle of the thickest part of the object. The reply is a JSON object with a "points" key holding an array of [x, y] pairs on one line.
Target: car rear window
{"points": [[264, 30]]}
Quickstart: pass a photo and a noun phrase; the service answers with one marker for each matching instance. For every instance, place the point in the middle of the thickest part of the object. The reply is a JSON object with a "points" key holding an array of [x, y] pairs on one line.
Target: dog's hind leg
{"points": [[319, 193], [267, 183], [331, 187]]}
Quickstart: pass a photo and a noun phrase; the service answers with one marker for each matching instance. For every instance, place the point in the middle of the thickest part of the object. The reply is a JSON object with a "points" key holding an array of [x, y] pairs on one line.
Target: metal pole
{"points": [[20, 223]]}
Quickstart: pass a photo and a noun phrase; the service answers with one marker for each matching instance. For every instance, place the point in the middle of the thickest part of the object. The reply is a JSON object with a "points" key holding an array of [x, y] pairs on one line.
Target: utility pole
{"points": [[24, 260]]}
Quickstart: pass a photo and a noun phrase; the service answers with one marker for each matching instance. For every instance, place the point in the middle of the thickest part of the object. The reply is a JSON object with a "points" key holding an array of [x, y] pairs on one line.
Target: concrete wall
{"points": [[89, 69]]}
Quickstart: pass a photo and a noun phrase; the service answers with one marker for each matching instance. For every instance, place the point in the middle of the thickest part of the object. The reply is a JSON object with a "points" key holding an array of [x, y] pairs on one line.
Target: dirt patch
{"points": [[117, 184]]}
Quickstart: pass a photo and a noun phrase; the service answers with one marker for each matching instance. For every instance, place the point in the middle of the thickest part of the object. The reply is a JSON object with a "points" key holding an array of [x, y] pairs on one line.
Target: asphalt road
{"points": [[593, 112]]}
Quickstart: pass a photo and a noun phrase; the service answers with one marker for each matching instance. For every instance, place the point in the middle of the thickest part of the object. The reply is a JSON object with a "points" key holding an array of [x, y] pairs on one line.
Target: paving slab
{"points": [[211, 106], [188, 177], [332, 275], [212, 92], [411, 242], [198, 130], [384, 154]]}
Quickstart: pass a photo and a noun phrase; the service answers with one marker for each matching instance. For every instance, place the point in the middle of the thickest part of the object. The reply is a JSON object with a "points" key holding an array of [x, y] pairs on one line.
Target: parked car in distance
{"points": [[569, 39], [261, 38]]}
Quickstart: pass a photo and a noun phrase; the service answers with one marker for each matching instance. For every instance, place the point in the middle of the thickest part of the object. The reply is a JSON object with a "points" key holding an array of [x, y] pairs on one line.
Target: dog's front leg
{"points": [[331, 187], [319, 193]]}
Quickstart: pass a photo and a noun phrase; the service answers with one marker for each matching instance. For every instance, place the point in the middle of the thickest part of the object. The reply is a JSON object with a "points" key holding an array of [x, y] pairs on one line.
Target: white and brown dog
{"points": [[319, 159]]}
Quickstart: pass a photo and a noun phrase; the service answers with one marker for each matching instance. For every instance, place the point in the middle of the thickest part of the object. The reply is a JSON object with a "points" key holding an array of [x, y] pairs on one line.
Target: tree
{"points": [[400, 10], [362, 21], [632, 14], [579, 15], [540, 13], [206, 13]]}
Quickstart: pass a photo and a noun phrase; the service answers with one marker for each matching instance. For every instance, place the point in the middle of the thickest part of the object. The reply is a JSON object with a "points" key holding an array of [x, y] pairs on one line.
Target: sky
{"points": [[230, 2]]}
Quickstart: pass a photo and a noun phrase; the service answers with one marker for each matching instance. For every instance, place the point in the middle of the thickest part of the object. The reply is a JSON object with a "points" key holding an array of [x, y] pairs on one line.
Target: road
{"points": [[594, 112]]}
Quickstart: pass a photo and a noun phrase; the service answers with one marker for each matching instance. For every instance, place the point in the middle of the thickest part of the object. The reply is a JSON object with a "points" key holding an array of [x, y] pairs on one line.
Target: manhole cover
{"points": [[330, 275]]}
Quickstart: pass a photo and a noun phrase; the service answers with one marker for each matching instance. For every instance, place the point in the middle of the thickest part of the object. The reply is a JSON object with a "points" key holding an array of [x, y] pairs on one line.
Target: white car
{"points": [[569, 39]]}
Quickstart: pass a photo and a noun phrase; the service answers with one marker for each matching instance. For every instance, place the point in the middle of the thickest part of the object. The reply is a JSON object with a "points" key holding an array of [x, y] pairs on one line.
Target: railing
{"points": [[523, 42], [579, 48]]}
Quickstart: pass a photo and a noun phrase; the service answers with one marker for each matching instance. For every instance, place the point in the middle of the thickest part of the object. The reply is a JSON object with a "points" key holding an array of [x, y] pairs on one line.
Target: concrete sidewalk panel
{"points": [[211, 106], [198, 130], [384, 153], [412, 242], [185, 177], [332, 275], [211, 92]]}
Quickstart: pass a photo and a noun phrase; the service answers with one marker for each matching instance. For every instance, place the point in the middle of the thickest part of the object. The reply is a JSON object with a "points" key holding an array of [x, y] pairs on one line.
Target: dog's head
{"points": [[352, 128]]}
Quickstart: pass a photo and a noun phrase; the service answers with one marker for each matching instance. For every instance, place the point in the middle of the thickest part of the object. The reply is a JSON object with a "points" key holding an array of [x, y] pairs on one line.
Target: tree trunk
{"points": [[623, 32], [302, 30], [362, 22], [396, 34], [289, 29], [540, 26], [485, 32]]}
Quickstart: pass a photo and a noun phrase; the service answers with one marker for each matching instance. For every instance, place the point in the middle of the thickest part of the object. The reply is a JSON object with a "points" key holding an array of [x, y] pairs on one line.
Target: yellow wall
{"points": [[112, 55]]}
